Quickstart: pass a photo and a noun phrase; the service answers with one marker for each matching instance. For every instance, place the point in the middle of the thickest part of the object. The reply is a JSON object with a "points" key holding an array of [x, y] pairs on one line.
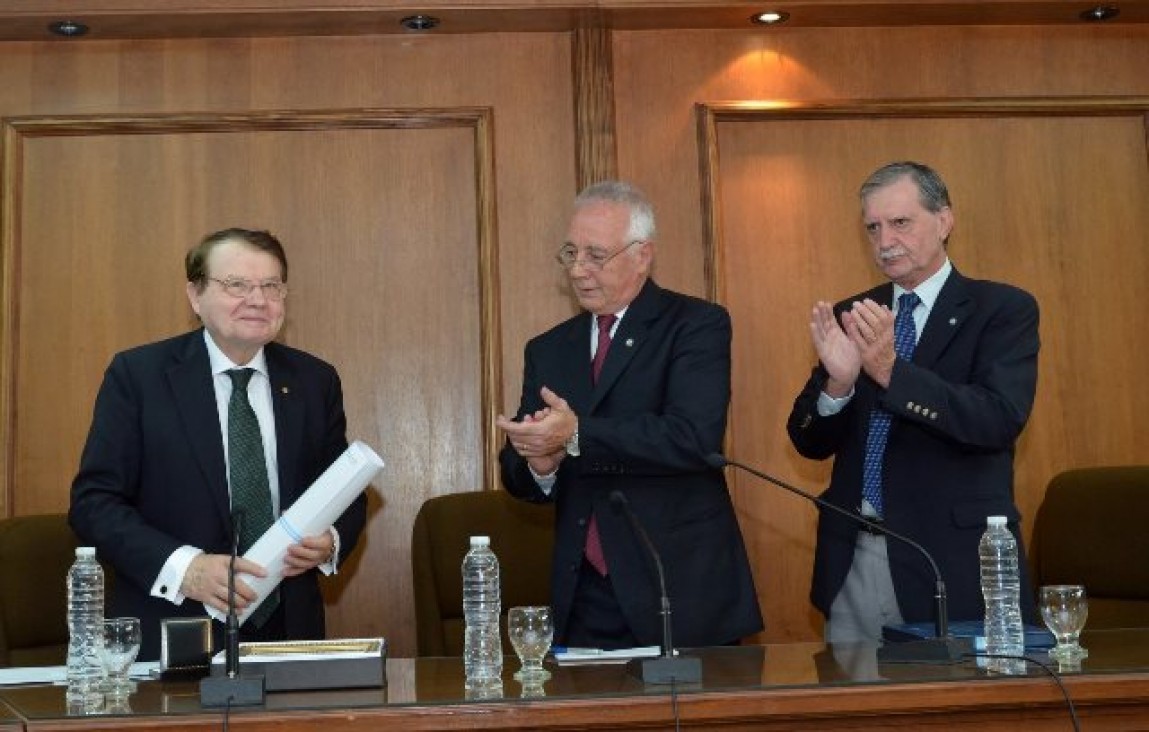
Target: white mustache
{"points": [[891, 254]]}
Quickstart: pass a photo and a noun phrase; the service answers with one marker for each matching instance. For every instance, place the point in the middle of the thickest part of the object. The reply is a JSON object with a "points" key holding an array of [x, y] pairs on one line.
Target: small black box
{"points": [[185, 647]]}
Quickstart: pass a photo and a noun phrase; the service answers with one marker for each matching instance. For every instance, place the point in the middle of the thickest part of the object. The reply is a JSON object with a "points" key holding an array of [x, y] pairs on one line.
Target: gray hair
{"points": [[932, 192], [614, 191]]}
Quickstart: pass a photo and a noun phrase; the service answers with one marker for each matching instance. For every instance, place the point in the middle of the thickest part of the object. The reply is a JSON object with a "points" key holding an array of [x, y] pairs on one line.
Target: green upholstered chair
{"points": [[1090, 530], [35, 554], [522, 536]]}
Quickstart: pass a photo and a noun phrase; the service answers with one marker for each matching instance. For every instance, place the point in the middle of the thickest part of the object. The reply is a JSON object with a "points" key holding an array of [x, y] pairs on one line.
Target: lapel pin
{"points": [[953, 321], [629, 342], [285, 390]]}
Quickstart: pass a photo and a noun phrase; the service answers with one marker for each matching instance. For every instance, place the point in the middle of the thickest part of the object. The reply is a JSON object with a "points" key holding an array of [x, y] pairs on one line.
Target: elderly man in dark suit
{"points": [[923, 386], [631, 396], [188, 431]]}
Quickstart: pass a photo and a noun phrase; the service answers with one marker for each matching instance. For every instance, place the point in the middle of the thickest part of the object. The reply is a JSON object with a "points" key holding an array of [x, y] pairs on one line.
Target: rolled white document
{"points": [[313, 513]]}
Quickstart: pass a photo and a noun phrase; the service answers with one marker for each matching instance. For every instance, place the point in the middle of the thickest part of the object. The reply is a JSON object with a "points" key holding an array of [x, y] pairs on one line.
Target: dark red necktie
{"points": [[593, 548], [605, 323]]}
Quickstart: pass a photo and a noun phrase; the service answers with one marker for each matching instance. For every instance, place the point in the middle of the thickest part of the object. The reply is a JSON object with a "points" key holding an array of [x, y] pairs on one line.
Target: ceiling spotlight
{"points": [[771, 17], [1099, 13], [419, 22], [68, 28]]}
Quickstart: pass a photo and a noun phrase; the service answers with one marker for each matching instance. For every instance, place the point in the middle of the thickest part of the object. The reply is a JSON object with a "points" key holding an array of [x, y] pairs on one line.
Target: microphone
{"points": [[669, 668], [231, 689], [942, 648]]}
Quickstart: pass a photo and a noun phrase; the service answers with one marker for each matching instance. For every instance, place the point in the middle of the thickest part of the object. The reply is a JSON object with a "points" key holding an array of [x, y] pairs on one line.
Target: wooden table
{"points": [[791, 687]]}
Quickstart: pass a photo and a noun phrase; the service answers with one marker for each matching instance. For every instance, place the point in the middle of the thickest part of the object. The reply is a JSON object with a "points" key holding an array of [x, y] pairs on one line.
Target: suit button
{"points": [[574, 567], [582, 522]]}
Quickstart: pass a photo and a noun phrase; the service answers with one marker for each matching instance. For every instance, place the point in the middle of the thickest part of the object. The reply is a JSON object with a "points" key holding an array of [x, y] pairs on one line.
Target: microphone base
{"points": [[666, 669], [929, 650], [237, 691]]}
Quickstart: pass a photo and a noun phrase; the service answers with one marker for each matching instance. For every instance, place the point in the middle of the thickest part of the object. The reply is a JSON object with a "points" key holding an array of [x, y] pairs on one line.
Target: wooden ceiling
{"points": [[21, 20]]}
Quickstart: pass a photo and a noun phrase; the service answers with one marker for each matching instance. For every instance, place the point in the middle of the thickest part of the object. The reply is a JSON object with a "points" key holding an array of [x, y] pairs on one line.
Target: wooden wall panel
{"points": [[526, 80], [382, 227], [367, 294], [1034, 207], [799, 193]]}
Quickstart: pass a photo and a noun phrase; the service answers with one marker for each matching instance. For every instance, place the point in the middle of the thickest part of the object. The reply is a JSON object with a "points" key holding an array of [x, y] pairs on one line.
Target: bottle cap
{"points": [[480, 541], [995, 521], [85, 551]]}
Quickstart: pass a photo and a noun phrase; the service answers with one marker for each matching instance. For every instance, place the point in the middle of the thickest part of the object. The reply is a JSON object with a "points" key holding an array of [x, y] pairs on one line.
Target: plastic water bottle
{"points": [[85, 630], [1001, 588], [482, 644]]}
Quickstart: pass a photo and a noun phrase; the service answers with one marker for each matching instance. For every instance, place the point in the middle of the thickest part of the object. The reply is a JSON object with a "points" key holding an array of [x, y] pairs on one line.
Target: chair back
{"points": [[1090, 530], [35, 555], [522, 537]]}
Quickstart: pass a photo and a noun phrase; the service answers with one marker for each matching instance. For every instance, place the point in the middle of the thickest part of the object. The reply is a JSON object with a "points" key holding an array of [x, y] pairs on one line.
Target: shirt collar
{"points": [[220, 363], [929, 290]]}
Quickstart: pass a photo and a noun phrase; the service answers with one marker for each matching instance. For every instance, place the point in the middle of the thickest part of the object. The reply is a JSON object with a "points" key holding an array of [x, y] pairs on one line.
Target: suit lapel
{"points": [[574, 367], [628, 339], [190, 381], [947, 316], [289, 413]]}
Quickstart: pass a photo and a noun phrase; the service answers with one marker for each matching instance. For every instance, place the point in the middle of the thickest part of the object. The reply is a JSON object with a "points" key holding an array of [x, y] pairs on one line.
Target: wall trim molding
{"points": [[16, 131]]}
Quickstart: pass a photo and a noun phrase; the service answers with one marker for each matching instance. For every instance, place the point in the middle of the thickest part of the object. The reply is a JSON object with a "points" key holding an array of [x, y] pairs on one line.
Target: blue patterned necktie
{"points": [[247, 466], [904, 341]]}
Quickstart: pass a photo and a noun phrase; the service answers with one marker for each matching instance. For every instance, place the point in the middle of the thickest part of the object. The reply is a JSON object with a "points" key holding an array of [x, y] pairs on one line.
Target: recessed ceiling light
{"points": [[419, 22], [68, 28], [1099, 13], [770, 17]]}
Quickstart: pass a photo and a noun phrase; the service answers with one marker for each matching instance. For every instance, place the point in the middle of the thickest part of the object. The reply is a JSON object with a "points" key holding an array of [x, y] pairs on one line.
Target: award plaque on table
{"points": [[352, 663]]}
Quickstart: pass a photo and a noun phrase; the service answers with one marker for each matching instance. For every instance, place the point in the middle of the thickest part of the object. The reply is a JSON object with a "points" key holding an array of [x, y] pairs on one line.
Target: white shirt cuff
{"points": [[829, 406], [171, 576], [546, 483], [332, 567]]}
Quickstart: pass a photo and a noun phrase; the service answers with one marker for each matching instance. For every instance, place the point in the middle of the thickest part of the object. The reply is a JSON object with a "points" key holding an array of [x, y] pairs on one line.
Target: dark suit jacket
{"points": [[153, 476], [658, 410], [958, 409]]}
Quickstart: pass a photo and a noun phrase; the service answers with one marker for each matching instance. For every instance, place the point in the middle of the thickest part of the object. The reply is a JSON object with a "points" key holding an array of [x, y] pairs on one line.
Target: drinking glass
{"points": [[1064, 609], [121, 644], [531, 631]]}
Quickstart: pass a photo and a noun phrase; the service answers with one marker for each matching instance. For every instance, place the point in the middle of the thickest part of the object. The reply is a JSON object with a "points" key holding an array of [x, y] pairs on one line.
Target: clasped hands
{"points": [[206, 578], [864, 341], [541, 436]]}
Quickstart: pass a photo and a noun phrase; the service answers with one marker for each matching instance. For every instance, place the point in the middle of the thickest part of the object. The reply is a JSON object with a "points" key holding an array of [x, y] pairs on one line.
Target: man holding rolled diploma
{"points": [[156, 491]]}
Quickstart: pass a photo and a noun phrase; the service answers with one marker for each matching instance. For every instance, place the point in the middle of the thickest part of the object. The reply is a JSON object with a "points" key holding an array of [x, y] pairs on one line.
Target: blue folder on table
{"points": [[1036, 638]]}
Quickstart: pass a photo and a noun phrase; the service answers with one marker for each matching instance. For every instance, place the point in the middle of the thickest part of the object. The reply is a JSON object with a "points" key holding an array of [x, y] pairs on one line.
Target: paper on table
{"points": [[580, 656], [58, 674], [313, 513]]}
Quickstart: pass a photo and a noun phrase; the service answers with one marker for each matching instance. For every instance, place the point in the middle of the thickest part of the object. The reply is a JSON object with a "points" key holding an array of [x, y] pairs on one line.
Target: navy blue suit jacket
{"points": [[958, 409], [153, 475], [658, 410]]}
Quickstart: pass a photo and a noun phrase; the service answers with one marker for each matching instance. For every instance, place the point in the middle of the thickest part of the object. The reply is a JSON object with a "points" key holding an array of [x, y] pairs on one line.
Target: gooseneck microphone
{"points": [[231, 655], [231, 689], [942, 647], [670, 668]]}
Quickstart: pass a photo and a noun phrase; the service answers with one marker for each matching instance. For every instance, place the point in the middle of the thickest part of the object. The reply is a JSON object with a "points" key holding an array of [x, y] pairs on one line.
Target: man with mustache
{"points": [[923, 386]]}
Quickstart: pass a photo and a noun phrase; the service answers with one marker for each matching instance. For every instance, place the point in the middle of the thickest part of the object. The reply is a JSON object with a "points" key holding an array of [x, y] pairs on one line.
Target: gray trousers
{"points": [[866, 601]]}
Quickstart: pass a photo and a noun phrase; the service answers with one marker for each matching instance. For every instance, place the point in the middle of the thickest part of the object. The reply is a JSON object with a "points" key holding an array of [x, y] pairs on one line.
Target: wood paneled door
{"points": [[1047, 195], [388, 221]]}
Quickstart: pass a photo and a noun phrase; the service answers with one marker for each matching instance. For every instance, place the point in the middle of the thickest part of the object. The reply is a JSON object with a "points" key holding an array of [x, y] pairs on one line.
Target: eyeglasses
{"points": [[273, 290], [593, 259]]}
